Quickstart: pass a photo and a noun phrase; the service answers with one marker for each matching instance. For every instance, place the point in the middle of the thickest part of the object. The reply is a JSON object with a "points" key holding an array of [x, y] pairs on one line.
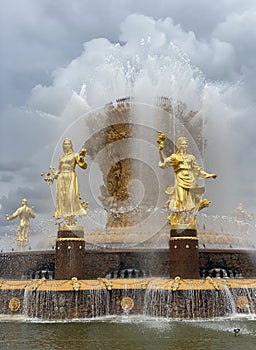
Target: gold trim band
{"points": [[183, 227], [133, 283], [70, 228], [183, 238], [70, 239]]}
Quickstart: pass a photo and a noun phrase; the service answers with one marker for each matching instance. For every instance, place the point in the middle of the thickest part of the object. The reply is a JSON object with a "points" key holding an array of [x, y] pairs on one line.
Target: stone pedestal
{"points": [[184, 254], [70, 253]]}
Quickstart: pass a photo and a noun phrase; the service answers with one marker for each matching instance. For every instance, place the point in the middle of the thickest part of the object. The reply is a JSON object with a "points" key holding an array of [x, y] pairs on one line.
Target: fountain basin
{"points": [[158, 297]]}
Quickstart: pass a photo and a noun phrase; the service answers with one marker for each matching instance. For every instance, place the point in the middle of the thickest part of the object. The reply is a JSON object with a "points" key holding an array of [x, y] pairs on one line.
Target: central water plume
{"points": [[142, 89]]}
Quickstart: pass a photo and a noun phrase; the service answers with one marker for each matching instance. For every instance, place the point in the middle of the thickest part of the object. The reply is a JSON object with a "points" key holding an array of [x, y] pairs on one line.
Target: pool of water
{"points": [[123, 333]]}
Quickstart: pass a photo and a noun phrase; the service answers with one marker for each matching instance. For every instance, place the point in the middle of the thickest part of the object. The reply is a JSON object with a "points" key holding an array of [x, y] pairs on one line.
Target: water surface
{"points": [[123, 333]]}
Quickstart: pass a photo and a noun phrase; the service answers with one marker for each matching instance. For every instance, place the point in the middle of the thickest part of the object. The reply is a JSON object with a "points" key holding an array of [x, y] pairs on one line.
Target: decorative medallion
{"points": [[14, 304], [127, 303], [242, 302], [75, 284], [176, 283]]}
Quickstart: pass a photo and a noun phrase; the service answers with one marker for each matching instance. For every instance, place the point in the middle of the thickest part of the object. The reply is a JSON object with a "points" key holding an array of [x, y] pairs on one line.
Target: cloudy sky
{"points": [[50, 50]]}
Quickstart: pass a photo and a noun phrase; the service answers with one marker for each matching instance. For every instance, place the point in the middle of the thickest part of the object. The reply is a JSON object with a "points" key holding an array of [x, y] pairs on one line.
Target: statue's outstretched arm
{"points": [[160, 140], [32, 213], [80, 159], [212, 176], [12, 216], [199, 172]]}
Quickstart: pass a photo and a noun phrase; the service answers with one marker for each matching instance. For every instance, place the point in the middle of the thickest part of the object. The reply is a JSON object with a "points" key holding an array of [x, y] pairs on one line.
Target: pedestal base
{"points": [[70, 253], [184, 254]]}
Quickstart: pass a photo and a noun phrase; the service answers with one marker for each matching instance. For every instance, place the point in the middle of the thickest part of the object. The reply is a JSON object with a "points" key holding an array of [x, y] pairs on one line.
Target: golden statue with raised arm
{"points": [[68, 202], [185, 196], [25, 213]]}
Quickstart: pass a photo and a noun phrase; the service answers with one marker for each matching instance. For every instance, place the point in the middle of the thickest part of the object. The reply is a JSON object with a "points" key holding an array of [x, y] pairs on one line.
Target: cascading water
{"points": [[49, 305], [197, 302]]}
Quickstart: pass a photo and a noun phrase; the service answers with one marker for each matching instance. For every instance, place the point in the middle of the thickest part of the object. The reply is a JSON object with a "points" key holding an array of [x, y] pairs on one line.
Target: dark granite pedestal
{"points": [[70, 253], [184, 254]]}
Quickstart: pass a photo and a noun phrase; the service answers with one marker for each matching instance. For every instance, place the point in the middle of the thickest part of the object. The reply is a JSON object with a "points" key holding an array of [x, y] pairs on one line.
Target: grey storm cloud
{"points": [[50, 48], [14, 166], [6, 178]]}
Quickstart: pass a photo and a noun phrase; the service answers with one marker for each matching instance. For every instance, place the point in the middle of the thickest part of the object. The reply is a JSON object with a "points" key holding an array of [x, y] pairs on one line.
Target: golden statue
{"points": [[242, 218], [25, 213], [185, 196], [68, 202]]}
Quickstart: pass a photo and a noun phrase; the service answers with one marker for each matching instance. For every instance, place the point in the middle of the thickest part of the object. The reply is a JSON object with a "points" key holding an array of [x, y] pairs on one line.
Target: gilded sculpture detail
{"points": [[14, 304], [185, 195], [242, 218], [25, 213], [68, 202], [127, 303], [115, 167], [118, 181]]}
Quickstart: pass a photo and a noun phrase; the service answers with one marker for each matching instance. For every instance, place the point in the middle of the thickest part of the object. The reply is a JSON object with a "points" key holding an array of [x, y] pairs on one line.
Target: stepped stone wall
{"points": [[99, 263]]}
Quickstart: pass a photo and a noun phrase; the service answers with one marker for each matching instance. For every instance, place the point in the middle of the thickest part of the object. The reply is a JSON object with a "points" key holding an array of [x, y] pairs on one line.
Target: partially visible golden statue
{"points": [[68, 202], [25, 213], [242, 218], [185, 196]]}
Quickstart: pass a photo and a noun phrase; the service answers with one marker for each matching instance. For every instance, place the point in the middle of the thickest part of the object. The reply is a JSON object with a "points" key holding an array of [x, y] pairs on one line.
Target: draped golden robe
{"points": [[68, 202], [185, 194]]}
